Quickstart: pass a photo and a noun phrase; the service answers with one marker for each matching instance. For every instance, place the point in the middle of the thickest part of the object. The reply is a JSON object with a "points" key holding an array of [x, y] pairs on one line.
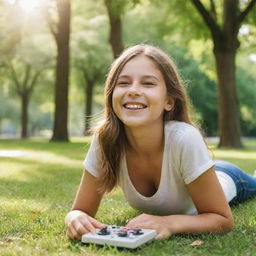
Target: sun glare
{"points": [[29, 5], [26, 5]]}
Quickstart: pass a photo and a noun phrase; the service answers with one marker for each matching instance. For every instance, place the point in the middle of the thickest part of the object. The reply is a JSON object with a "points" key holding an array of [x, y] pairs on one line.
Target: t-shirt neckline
{"points": [[127, 176]]}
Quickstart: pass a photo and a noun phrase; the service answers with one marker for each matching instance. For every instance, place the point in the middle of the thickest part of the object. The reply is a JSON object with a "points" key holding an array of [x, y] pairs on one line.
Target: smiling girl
{"points": [[149, 146]]}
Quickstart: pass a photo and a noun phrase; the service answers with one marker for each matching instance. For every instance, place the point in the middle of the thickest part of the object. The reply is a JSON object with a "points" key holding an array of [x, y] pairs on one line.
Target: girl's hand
{"points": [[79, 223], [148, 221]]}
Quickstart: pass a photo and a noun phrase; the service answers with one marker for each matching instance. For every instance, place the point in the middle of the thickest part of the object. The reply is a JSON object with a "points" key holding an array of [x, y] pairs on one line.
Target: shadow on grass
{"points": [[38, 182], [73, 150]]}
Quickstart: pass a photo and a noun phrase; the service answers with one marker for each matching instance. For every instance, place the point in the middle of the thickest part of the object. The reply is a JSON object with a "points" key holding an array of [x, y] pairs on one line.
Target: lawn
{"points": [[38, 182]]}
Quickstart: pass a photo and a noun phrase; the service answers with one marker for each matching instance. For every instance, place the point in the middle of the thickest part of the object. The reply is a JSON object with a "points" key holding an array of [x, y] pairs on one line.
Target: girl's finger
{"points": [[71, 233], [81, 229], [88, 226], [96, 223], [135, 224], [159, 236]]}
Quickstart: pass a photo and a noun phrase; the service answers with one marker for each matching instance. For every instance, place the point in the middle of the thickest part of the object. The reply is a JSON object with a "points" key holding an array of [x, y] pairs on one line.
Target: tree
{"points": [[60, 30], [22, 70], [115, 9], [24, 86], [226, 43], [22, 60], [92, 65], [91, 55], [179, 16]]}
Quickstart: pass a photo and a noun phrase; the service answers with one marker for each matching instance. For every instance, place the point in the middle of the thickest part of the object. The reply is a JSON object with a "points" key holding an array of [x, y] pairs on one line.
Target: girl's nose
{"points": [[134, 90]]}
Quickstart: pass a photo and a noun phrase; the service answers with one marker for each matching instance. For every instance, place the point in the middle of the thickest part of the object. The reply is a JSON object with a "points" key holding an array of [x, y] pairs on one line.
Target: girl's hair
{"points": [[111, 133]]}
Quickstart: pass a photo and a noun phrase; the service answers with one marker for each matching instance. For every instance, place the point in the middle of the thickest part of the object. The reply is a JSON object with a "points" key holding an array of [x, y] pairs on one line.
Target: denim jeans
{"points": [[245, 183]]}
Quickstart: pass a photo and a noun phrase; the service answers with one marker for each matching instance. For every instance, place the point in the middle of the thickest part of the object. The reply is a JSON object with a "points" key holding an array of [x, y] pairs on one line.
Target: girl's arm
{"points": [[80, 219], [214, 214], [88, 197]]}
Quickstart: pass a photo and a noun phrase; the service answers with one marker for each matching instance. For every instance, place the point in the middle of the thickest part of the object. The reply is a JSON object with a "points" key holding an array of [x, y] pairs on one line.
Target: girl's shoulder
{"points": [[180, 134], [180, 129]]}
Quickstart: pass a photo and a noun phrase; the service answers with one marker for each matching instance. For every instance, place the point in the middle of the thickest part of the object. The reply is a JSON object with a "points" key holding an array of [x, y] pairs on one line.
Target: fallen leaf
{"points": [[33, 218], [35, 210], [197, 242]]}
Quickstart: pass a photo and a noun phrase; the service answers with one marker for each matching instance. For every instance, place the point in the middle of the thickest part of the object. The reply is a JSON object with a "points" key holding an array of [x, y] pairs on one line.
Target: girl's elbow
{"points": [[228, 225]]}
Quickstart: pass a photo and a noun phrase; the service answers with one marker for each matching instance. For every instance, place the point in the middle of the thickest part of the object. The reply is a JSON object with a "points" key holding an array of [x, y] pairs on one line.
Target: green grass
{"points": [[38, 185]]}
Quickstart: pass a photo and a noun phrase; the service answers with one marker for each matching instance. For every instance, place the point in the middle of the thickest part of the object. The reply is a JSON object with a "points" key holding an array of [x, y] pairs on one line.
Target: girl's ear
{"points": [[169, 105]]}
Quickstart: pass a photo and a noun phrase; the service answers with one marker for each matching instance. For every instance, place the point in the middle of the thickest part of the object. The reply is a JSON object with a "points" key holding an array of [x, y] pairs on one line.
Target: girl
{"points": [[148, 145]]}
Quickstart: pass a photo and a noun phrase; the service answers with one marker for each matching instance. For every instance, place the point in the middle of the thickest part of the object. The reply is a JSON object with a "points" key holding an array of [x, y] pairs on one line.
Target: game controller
{"points": [[120, 236]]}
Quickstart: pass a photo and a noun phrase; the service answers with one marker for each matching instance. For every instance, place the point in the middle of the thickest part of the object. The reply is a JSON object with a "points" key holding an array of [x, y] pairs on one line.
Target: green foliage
{"points": [[91, 53], [182, 20], [26, 38], [246, 85], [202, 92], [119, 7], [247, 38], [91, 58], [143, 22], [9, 116]]}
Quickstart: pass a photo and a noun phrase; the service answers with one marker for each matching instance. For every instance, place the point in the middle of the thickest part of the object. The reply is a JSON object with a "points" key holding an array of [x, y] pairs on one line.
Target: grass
{"points": [[38, 184]]}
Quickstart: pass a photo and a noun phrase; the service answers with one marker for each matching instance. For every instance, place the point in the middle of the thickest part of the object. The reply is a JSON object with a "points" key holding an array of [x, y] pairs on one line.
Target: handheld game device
{"points": [[120, 236]]}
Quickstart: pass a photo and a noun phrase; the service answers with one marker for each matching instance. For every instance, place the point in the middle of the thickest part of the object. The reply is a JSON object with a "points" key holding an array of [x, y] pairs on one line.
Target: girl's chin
{"points": [[140, 123], [136, 123], [133, 124]]}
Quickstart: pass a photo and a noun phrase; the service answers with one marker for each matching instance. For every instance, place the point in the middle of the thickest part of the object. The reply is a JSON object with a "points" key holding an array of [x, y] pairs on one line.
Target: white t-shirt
{"points": [[185, 158]]}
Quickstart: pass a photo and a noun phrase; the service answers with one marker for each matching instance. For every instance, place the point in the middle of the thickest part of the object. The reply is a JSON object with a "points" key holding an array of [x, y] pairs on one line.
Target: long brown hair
{"points": [[111, 134]]}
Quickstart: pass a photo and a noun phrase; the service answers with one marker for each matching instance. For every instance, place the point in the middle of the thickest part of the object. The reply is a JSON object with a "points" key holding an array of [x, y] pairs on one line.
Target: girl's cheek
{"points": [[117, 94]]}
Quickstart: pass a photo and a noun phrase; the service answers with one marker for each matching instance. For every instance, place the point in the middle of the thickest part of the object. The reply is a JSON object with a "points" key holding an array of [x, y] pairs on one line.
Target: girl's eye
{"points": [[123, 83], [148, 84]]}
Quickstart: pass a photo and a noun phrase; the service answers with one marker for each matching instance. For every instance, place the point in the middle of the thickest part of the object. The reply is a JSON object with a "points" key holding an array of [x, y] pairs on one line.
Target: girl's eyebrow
{"points": [[145, 76]]}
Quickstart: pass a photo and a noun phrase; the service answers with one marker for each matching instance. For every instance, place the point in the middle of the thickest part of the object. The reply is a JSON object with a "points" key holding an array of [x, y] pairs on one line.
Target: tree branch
{"points": [[244, 13], [15, 79], [207, 17], [50, 22], [34, 80], [53, 30], [213, 10], [26, 78]]}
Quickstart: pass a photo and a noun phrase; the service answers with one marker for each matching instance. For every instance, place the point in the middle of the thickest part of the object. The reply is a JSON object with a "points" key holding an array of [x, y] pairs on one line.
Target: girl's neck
{"points": [[145, 141]]}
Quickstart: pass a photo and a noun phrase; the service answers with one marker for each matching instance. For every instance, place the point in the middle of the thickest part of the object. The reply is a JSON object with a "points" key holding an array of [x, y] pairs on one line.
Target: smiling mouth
{"points": [[134, 106]]}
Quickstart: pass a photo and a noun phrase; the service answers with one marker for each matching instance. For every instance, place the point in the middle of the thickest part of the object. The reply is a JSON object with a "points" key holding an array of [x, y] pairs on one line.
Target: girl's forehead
{"points": [[140, 64]]}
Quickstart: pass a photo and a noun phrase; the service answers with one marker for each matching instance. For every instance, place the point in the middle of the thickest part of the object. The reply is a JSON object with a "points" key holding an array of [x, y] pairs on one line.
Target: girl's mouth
{"points": [[134, 106]]}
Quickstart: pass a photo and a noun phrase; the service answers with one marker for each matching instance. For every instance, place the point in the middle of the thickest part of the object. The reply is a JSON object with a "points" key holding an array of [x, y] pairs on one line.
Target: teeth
{"points": [[134, 106]]}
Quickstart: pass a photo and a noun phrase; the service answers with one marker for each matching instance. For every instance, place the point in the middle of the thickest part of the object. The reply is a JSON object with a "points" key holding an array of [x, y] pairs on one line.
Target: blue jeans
{"points": [[245, 183]]}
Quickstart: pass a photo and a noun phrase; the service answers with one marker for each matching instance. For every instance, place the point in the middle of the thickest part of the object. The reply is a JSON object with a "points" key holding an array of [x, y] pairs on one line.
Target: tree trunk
{"points": [[60, 130], [115, 34], [225, 39], [24, 115], [115, 38], [88, 104], [229, 127]]}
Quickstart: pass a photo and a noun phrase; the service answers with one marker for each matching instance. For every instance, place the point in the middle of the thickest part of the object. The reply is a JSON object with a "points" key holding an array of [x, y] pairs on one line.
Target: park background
{"points": [[54, 57]]}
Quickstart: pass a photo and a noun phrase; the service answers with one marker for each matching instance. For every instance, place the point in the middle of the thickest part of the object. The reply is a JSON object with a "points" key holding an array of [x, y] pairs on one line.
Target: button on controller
{"points": [[122, 233], [137, 231], [103, 231]]}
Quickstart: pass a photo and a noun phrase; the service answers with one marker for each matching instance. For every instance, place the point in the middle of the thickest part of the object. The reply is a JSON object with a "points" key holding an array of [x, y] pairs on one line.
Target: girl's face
{"points": [[140, 95]]}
